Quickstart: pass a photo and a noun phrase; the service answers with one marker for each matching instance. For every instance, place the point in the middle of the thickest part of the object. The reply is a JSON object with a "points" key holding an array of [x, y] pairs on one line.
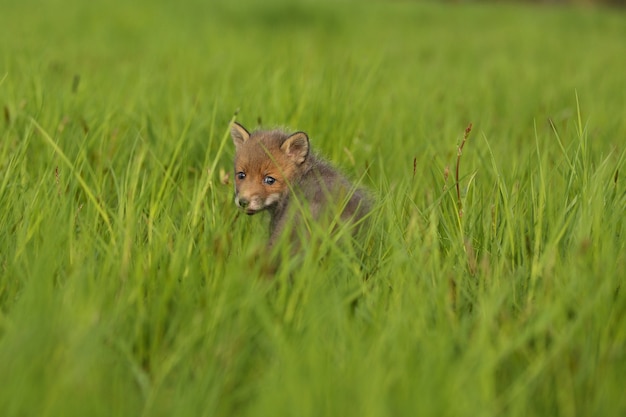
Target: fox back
{"points": [[273, 169]]}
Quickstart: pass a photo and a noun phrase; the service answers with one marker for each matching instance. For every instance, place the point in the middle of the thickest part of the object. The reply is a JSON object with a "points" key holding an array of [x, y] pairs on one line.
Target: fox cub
{"points": [[277, 172]]}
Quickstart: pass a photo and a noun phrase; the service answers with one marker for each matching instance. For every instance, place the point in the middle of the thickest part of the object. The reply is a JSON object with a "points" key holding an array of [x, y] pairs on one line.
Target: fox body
{"points": [[277, 172]]}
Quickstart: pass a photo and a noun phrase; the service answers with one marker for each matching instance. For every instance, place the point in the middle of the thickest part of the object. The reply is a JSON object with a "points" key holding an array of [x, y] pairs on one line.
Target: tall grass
{"points": [[131, 285]]}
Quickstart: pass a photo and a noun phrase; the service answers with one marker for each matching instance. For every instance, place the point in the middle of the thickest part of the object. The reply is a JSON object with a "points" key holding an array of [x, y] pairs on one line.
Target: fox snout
{"points": [[245, 204], [242, 202], [250, 205]]}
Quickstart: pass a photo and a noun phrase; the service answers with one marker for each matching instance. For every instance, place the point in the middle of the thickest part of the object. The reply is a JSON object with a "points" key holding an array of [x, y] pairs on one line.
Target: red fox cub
{"points": [[277, 172]]}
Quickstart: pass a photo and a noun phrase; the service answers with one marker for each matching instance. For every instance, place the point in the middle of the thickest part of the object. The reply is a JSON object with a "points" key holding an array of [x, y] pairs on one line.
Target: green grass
{"points": [[130, 285]]}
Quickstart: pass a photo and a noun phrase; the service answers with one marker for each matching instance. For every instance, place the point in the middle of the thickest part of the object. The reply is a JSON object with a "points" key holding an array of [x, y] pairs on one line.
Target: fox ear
{"points": [[296, 147], [239, 134]]}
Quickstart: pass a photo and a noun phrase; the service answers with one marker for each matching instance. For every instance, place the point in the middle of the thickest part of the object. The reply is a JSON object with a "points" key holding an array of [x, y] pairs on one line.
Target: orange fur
{"points": [[271, 165]]}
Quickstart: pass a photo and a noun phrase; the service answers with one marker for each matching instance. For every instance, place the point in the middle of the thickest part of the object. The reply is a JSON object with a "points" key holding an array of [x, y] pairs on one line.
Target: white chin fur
{"points": [[272, 199], [258, 204]]}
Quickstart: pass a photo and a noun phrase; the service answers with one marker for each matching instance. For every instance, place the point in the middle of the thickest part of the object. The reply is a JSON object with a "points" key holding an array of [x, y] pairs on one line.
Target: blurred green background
{"points": [[129, 283]]}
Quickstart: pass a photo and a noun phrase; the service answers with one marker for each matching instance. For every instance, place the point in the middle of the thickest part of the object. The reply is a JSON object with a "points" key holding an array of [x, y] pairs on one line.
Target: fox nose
{"points": [[243, 202]]}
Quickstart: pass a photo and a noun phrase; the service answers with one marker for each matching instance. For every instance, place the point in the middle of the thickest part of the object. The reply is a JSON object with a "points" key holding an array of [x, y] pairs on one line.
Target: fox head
{"points": [[266, 163]]}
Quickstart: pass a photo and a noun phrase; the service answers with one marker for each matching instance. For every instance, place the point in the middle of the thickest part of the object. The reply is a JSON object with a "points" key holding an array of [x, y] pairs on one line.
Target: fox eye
{"points": [[241, 175], [269, 180]]}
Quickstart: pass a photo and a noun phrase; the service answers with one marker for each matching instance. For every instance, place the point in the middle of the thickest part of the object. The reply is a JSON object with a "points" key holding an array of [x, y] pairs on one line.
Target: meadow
{"points": [[489, 282]]}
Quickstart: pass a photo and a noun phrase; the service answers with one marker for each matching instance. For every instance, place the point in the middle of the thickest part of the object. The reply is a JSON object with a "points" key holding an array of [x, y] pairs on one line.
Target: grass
{"points": [[129, 283]]}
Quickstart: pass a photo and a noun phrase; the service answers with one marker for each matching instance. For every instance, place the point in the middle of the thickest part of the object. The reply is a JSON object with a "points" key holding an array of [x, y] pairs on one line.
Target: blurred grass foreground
{"points": [[489, 282]]}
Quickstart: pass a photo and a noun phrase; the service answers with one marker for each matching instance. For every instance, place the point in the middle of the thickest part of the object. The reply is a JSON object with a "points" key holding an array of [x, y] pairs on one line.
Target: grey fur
{"points": [[314, 184]]}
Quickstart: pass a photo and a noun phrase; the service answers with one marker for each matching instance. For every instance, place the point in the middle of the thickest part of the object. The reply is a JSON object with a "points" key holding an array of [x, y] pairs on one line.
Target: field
{"points": [[489, 282]]}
